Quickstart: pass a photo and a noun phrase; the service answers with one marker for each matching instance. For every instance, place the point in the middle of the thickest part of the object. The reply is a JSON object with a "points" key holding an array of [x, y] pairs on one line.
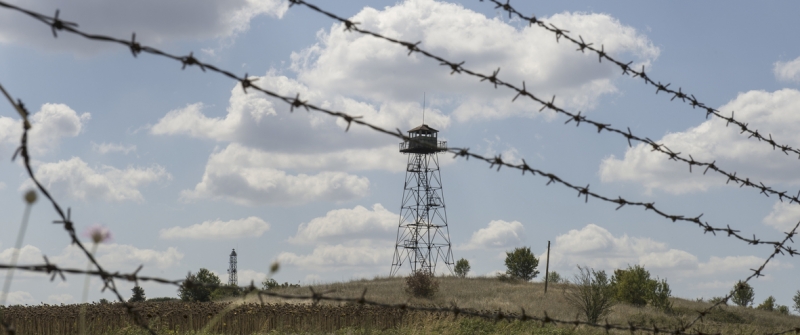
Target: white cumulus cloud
{"points": [[783, 217], [76, 179], [104, 148], [712, 140], [236, 176], [49, 125], [60, 299], [218, 229], [787, 71], [498, 234], [346, 63], [345, 224], [17, 298], [155, 22], [355, 254]]}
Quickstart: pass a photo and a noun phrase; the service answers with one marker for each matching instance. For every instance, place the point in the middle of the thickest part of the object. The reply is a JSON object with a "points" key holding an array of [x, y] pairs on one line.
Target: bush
{"points": [[796, 300], [421, 284], [226, 291], [138, 294], [715, 300], [194, 287], [521, 264], [742, 294], [783, 310], [591, 293], [767, 305], [269, 284], [633, 285], [660, 296], [162, 299], [554, 278], [462, 268]]}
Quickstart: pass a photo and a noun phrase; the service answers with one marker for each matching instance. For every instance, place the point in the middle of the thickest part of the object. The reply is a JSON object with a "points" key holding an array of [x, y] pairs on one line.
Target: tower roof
{"points": [[233, 253], [424, 127]]}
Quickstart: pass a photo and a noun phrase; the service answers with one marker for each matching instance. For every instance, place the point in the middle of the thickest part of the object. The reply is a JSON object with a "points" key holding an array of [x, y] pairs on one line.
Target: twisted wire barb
{"points": [[296, 103], [66, 221], [316, 297], [627, 70]]}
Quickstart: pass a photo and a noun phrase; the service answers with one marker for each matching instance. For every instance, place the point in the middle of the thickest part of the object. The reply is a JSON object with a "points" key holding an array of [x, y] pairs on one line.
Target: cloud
{"points": [[234, 175], [121, 257], [347, 224], [27, 255], [155, 22], [78, 180], [48, 126], [354, 254], [218, 229], [104, 148], [60, 299], [714, 141], [498, 234], [598, 248], [787, 71], [783, 217], [18, 298], [345, 63]]}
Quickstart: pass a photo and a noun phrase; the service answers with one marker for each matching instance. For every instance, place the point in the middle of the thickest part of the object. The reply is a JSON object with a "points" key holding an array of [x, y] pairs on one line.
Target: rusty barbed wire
{"points": [[627, 70], [246, 82], [66, 221], [577, 118], [296, 103], [55, 271]]}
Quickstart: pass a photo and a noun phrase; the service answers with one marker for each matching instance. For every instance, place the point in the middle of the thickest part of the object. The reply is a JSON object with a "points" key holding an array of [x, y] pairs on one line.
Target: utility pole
{"points": [[547, 268]]}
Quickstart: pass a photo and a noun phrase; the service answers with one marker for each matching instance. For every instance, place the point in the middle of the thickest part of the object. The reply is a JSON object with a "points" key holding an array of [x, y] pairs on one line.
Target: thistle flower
{"points": [[98, 234]]}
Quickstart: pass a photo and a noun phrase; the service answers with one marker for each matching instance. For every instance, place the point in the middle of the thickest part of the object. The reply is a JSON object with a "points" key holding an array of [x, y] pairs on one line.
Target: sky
{"points": [[182, 166]]}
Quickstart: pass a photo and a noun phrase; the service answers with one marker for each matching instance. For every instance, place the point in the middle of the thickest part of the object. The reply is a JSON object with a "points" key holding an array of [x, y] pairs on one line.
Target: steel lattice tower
{"points": [[232, 278], [423, 237]]}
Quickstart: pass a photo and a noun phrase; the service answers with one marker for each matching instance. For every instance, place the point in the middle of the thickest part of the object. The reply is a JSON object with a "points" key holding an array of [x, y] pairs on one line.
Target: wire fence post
{"points": [[547, 268]]}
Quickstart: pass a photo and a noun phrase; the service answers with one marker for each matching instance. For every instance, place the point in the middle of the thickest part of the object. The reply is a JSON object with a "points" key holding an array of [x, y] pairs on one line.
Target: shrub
{"points": [[462, 268], [783, 310], [162, 299], [421, 284], [555, 278], [796, 300], [660, 296], [742, 294], [226, 291], [715, 300], [138, 294], [269, 284], [633, 285], [104, 301], [591, 293], [767, 305], [194, 287], [521, 264]]}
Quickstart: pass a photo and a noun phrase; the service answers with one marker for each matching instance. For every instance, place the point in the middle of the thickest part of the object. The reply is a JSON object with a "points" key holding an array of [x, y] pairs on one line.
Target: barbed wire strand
{"points": [[627, 70], [246, 82], [66, 221], [296, 103]]}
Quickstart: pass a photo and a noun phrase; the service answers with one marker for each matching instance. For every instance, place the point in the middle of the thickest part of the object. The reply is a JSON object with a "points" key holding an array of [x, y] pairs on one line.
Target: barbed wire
{"points": [[246, 82], [627, 70], [55, 271], [296, 102], [66, 221]]}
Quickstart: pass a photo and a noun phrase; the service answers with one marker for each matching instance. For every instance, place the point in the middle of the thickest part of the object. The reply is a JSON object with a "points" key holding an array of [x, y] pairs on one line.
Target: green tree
{"points": [[269, 284], [742, 294], [462, 268], [138, 294], [555, 278], [226, 291], [783, 310], [633, 285], [591, 293], [196, 286], [796, 300], [520, 263], [767, 305], [660, 296]]}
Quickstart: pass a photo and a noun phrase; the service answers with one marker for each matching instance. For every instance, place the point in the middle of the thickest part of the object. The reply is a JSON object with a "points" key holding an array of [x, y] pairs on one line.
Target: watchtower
{"points": [[423, 237], [232, 279]]}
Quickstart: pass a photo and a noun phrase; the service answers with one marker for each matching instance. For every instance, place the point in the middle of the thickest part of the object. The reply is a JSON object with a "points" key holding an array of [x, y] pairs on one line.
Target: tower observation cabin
{"points": [[423, 140]]}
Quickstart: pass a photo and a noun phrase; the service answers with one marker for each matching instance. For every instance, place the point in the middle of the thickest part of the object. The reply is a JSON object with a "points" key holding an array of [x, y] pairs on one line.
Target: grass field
{"points": [[247, 316]]}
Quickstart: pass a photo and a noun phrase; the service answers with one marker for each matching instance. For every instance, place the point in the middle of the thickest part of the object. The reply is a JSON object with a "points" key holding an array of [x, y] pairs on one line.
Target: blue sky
{"points": [[182, 166]]}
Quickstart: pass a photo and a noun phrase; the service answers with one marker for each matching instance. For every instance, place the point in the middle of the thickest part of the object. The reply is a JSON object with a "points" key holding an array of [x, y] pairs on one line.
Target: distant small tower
{"points": [[232, 279], [423, 237]]}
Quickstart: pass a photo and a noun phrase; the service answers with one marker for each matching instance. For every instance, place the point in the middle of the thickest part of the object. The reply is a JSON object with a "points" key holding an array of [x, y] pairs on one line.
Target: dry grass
{"points": [[490, 294]]}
